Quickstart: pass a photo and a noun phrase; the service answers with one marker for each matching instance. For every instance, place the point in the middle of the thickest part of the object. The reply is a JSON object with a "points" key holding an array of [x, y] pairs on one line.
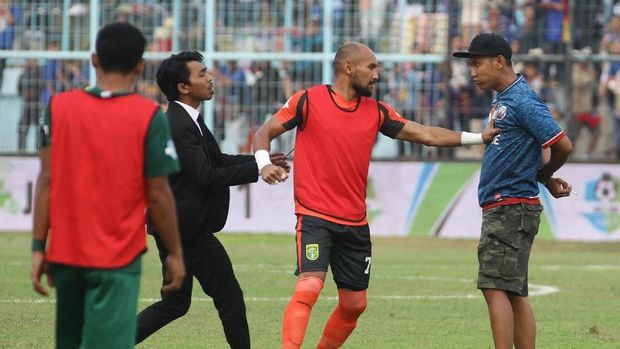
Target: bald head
{"points": [[350, 52], [356, 69]]}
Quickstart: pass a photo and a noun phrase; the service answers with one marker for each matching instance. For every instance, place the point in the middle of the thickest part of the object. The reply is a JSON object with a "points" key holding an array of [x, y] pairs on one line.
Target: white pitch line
{"points": [[284, 269], [535, 290], [542, 290], [427, 278], [29, 301], [588, 267]]}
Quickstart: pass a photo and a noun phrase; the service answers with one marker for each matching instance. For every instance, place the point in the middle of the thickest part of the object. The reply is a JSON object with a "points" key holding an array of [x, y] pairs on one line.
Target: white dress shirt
{"points": [[193, 113]]}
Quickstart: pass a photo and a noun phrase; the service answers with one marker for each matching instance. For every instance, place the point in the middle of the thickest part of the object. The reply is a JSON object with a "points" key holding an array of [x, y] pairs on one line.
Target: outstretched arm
{"points": [[442, 137]]}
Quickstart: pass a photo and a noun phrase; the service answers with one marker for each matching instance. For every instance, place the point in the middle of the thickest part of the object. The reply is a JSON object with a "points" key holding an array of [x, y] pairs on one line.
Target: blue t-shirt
{"points": [[512, 159]]}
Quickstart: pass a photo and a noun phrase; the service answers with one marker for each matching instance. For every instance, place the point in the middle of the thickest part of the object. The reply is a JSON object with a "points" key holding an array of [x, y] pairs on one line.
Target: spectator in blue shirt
{"points": [[508, 189]]}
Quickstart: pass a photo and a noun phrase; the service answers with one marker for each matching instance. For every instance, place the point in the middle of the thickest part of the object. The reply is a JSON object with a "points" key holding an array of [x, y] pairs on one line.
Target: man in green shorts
{"points": [[106, 153]]}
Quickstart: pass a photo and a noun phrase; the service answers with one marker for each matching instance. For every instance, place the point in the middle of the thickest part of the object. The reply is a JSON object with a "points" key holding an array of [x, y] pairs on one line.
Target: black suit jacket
{"points": [[201, 189]]}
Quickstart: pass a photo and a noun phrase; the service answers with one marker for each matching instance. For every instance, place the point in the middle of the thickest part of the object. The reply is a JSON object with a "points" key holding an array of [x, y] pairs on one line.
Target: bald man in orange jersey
{"points": [[336, 129]]}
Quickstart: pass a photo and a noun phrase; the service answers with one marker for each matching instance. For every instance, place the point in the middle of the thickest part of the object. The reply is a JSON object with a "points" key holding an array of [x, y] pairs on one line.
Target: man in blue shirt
{"points": [[508, 189]]}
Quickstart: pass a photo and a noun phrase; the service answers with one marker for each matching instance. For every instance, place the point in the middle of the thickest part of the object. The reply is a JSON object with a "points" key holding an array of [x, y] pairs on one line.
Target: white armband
{"points": [[471, 138], [262, 159]]}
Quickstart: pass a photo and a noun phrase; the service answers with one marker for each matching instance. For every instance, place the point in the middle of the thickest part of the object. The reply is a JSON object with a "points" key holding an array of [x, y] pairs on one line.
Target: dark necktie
{"points": [[201, 124], [207, 136]]}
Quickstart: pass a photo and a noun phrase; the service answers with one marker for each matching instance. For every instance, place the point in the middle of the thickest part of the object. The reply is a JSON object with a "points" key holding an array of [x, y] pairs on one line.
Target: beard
{"points": [[362, 90]]}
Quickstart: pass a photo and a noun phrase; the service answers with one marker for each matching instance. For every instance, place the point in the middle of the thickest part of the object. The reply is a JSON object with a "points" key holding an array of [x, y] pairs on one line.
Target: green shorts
{"points": [[96, 308], [505, 245]]}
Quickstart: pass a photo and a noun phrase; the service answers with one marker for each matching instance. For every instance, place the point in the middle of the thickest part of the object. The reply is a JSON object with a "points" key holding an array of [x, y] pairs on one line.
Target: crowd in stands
{"points": [[552, 44]]}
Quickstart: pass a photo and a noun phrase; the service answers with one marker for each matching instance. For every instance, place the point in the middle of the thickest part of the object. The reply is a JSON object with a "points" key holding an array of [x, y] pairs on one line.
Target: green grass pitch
{"points": [[422, 295]]}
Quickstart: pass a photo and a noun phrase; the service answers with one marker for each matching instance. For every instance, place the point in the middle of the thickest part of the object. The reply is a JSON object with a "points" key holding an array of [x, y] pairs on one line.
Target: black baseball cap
{"points": [[487, 45]]}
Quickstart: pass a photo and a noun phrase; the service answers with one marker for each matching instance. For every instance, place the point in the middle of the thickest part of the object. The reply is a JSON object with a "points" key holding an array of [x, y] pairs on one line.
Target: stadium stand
{"points": [[261, 51]]}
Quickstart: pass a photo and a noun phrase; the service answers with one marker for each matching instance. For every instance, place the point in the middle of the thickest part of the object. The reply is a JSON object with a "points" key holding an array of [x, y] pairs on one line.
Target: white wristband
{"points": [[471, 138], [262, 159]]}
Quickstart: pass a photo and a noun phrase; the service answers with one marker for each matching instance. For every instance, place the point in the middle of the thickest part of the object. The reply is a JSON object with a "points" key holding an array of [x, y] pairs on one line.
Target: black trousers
{"points": [[207, 261]]}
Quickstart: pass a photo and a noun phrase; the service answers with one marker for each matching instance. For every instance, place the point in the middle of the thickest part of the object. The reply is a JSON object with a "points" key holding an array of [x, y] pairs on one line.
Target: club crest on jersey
{"points": [[498, 112], [312, 252]]}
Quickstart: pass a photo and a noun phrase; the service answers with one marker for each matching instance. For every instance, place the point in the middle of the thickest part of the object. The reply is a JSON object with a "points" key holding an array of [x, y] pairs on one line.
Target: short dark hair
{"points": [[119, 47], [173, 71]]}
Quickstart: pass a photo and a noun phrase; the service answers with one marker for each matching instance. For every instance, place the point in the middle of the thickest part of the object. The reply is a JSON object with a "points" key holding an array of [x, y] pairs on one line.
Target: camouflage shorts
{"points": [[505, 244]]}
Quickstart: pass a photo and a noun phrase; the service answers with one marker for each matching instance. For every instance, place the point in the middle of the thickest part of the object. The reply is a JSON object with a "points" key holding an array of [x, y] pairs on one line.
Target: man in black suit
{"points": [[202, 195]]}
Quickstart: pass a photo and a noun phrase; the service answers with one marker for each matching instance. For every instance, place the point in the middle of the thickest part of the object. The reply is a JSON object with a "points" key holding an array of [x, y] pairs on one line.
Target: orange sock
{"points": [[341, 323], [297, 311]]}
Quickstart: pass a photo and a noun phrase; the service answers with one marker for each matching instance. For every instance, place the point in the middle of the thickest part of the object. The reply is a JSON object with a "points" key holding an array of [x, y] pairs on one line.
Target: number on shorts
{"points": [[368, 259]]}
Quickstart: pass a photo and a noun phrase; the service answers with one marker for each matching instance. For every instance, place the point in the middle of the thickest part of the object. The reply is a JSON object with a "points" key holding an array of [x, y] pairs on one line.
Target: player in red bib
{"points": [[336, 129], [106, 153]]}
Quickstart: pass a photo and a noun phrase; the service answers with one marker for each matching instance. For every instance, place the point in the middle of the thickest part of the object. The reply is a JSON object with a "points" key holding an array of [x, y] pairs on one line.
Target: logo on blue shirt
{"points": [[498, 112]]}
